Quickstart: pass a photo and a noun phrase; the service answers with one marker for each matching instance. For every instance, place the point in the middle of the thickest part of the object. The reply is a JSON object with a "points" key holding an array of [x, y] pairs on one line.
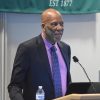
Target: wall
{"points": [[81, 33]]}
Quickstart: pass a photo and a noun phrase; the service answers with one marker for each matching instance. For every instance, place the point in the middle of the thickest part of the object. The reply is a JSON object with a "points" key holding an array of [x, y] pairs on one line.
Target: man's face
{"points": [[53, 29]]}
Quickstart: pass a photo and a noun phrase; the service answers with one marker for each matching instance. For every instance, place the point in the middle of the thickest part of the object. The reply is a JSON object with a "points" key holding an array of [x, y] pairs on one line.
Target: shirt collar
{"points": [[47, 43]]}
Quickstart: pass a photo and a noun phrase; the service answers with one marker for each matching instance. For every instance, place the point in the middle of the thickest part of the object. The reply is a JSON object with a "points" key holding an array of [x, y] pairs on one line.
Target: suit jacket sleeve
{"points": [[15, 93], [20, 68]]}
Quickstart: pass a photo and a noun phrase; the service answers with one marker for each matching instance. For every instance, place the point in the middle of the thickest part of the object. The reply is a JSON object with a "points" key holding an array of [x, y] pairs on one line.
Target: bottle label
{"points": [[39, 97]]}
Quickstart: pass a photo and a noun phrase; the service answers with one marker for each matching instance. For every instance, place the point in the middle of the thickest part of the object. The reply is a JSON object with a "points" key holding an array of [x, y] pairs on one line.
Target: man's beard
{"points": [[52, 35]]}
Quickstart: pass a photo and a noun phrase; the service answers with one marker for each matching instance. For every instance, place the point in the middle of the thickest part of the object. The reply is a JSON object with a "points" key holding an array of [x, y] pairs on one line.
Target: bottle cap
{"points": [[40, 87]]}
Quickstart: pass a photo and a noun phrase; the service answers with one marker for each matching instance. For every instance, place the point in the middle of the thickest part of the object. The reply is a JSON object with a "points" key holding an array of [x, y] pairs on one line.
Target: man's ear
{"points": [[43, 25]]}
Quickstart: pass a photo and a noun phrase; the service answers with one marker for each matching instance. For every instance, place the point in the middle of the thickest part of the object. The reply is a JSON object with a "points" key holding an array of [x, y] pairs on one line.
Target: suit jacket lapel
{"points": [[64, 54], [66, 59], [43, 56]]}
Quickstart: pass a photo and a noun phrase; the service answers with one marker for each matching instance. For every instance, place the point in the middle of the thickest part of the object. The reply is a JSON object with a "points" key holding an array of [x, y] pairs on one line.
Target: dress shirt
{"points": [[62, 65]]}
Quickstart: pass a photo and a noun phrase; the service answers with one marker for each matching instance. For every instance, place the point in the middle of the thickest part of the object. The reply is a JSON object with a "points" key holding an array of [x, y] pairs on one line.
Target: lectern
{"points": [[84, 88], [82, 91], [80, 97]]}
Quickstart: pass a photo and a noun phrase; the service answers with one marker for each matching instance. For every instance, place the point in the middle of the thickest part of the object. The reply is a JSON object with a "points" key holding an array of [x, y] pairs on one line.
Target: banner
{"points": [[38, 6]]}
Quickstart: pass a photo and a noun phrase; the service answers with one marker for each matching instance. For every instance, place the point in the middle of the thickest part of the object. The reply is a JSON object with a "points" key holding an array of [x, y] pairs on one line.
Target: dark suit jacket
{"points": [[31, 69]]}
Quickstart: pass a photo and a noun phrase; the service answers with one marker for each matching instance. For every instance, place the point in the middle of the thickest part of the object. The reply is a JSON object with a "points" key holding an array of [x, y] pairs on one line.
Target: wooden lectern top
{"points": [[80, 97]]}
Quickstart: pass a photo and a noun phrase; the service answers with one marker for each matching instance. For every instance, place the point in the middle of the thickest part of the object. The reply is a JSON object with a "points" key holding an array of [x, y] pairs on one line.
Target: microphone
{"points": [[75, 59]]}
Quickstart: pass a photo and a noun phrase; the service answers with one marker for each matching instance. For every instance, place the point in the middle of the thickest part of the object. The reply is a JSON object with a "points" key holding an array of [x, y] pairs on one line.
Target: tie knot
{"points": [[53, 49]]}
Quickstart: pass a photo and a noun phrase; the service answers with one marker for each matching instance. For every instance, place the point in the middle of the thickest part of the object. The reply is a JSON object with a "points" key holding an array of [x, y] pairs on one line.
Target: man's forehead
{"points": [[50, 15]]}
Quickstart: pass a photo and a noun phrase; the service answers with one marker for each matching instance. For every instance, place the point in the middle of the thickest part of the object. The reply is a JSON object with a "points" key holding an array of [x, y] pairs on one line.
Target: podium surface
{"points": [[80, 97]]}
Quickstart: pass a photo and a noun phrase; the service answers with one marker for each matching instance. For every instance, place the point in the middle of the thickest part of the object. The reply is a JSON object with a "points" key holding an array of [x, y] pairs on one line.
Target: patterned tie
{"points": [[56, 72]]}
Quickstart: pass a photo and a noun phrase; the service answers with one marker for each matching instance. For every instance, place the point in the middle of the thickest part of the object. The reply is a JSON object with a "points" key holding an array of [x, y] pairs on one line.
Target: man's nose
{"points": [[59, 27]]}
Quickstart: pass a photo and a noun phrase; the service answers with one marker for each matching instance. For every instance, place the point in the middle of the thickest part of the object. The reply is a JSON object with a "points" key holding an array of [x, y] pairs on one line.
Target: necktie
{"points": [[56, 72]]}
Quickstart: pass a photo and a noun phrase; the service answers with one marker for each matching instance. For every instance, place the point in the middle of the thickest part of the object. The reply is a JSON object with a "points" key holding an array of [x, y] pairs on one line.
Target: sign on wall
{"points": [[37, 6]]}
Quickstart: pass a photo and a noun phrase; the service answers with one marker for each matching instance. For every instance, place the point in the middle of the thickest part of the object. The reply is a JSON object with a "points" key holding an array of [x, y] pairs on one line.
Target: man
{"points": [[33, 65]]}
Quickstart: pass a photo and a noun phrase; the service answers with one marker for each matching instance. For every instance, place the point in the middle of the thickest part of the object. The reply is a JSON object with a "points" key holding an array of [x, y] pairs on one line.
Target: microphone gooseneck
{"points": [[75, 59]]}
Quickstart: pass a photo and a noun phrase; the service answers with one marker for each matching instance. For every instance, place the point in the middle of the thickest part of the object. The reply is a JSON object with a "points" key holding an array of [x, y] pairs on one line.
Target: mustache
{"points": [[57, 31]]}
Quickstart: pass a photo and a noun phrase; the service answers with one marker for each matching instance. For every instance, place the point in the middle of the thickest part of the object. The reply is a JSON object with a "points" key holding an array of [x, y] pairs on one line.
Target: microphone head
{"points": [[75, 59]]}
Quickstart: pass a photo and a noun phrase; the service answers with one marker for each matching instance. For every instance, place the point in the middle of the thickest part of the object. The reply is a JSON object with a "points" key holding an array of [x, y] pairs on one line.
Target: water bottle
{"points": [[40, 94]]}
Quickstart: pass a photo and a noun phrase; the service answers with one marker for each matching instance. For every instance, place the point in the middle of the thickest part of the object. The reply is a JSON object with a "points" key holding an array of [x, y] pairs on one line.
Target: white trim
{"points": [[3, 57]]}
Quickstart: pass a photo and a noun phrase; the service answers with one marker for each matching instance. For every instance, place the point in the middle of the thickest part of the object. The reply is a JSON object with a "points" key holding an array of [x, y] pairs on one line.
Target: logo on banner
{"points": [[62, 3]]}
